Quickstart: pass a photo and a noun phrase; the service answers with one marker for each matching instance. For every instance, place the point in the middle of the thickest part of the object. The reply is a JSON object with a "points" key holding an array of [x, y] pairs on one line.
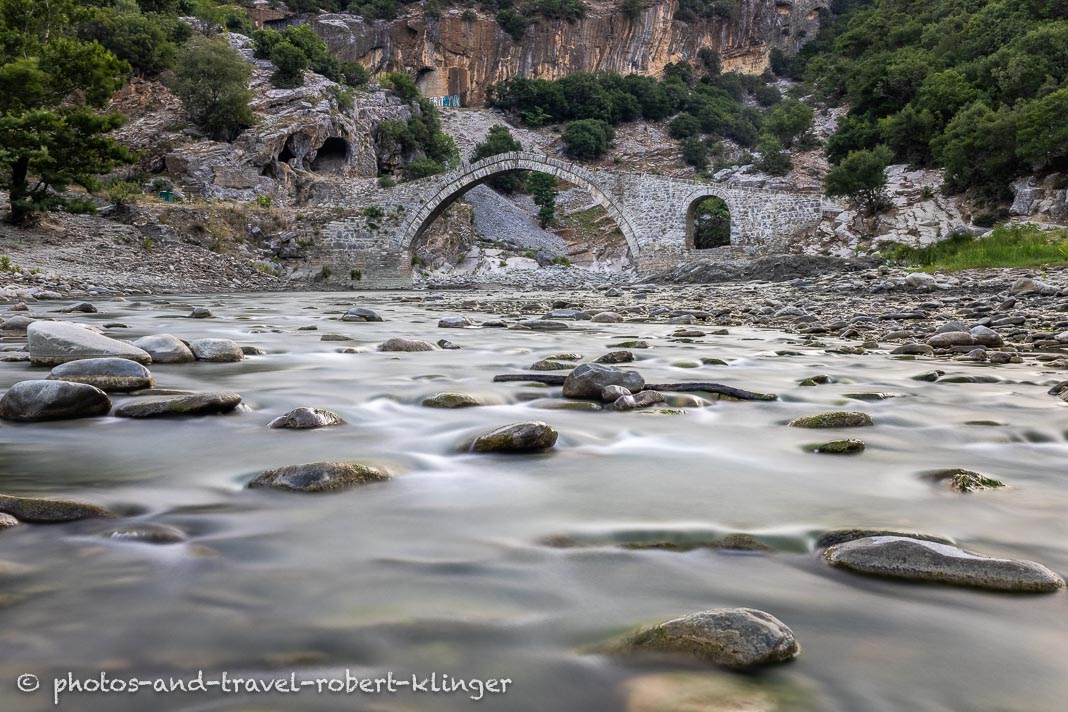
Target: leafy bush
{"points": [[211, 79], [861, 177], [587, 139], [499, 140], [290, 62]]}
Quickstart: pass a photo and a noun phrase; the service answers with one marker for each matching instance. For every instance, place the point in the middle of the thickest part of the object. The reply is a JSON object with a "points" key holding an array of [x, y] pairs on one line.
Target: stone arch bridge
{"points": [[654, 213]]}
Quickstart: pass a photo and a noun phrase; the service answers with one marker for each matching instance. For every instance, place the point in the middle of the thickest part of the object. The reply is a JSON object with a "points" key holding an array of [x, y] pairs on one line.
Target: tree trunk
{"points": [[20, 214]]}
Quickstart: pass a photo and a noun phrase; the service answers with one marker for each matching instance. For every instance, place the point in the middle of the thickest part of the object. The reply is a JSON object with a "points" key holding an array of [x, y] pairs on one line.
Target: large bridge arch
{"points": [[468, 176]]}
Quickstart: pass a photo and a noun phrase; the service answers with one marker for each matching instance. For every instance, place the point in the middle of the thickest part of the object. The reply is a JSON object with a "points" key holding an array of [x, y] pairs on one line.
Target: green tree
{"points": [[587, 139], [788, 121], [684, 126], [695, 153], [541, 187], [52, 87], [861, 177], [290, 63], [402, 85], [1042, 131], [774, 159], [212, 81], [978, 150], [499, 140], [631, 9]]}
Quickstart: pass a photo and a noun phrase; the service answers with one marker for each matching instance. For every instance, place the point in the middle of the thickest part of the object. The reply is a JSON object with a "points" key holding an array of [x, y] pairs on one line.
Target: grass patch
{"points": [[1008, 246]]}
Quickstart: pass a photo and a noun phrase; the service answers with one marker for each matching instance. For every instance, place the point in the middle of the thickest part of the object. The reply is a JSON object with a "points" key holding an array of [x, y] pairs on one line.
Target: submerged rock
{"points": [[916, 560], [198, 404], [530, 436], [53, 342], [145, 533], [306, 419], [218, 350], [165, 348], [451, 400], [837, 419], [31, 401], [589, 380], [44, 511], [406, 345], [107, 374], [548, 364], [319, 477], [963, 481], [613, 357], [732, 637], [200, 313]]}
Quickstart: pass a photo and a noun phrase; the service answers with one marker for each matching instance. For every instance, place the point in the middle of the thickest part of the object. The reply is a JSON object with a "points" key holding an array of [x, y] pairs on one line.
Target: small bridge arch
{"points": [[462, 179]]}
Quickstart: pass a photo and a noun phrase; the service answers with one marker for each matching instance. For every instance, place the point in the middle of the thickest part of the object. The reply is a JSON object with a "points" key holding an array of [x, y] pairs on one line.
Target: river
{"points": [[443, 569]]}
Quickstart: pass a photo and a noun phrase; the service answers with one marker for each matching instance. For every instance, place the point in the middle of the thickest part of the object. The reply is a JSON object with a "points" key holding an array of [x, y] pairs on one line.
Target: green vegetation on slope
{"points": [[1008, 246], [975, 86]]}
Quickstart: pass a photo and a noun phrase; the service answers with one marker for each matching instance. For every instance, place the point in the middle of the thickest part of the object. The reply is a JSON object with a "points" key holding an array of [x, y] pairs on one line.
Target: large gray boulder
{"points": [[165, 348], [531, 436], [219, 350], [732, 637], [916, 560], [590, 379], [198, 404], [107, 374], [52, 400], [54, 342]]}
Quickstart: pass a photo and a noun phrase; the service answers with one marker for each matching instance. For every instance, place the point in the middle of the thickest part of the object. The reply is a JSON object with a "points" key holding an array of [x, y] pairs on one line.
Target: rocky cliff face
{"points": [[451, 55]]}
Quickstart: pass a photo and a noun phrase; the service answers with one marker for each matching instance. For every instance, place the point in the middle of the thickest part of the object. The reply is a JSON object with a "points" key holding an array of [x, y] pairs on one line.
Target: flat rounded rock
{"points": [[306, 419], [589, 379], [530, 436], [916, 560], [732, 637], [837, 419], [198, 404], [53, 342], [45, 511], [218, 350], [107, 374], [165, 348], [31, 401], [319, 477], [406, 345], [451, 400], [359, 314]]}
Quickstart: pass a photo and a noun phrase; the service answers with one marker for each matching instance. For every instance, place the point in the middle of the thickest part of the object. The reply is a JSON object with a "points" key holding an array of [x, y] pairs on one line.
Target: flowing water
{"points": [[441, 569]]}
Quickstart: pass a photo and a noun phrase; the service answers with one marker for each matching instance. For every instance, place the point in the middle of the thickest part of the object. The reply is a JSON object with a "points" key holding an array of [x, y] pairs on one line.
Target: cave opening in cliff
{"points": [[708, 223], [285, 155], [332, 156]]}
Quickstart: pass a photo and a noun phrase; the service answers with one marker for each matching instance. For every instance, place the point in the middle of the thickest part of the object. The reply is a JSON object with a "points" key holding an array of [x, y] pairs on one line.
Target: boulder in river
{"points": [[451, 400], [607, 318], [31, 401], [319, 477], [916, 560], [589, 380], [306, 419], [217, 350], [406, 345], [54, 342], [165, 348], [530, 436], [81, 307], [17, 324], [454, 322], [949, 339], [732, 637], [44, 511], [850, 446], [200, 313], [613, 357], [107, 374], [963, 481], [361, 314], [198, 404], [834, 419], [840, 536]]}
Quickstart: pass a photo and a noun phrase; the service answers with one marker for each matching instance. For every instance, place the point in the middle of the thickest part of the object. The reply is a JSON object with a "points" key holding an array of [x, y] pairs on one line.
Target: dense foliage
{"points": [[211, 79], [976, 86], [298, 48], [499, 140], [425, 148], [53, 87]]}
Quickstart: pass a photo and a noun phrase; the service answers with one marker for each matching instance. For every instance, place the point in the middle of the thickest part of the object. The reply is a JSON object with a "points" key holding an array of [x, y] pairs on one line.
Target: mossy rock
{"points": [[964, 481], [849, 446], [451, 400], [834, 419]]}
